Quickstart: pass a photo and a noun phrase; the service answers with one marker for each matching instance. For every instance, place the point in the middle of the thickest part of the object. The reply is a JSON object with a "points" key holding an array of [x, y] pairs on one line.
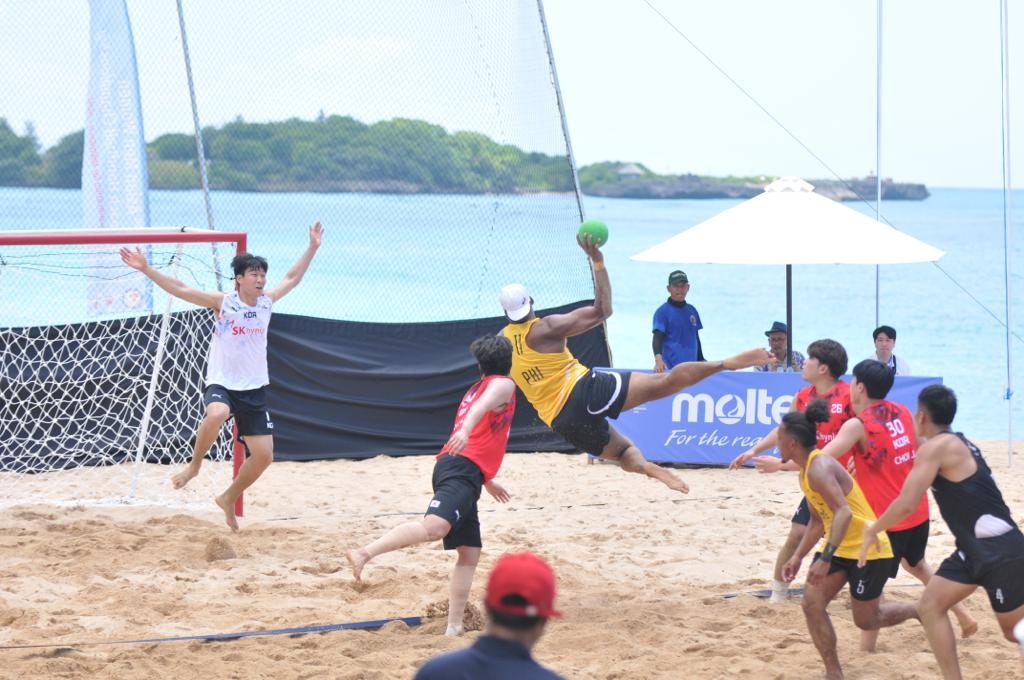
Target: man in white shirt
{"points": [[885, 342]]}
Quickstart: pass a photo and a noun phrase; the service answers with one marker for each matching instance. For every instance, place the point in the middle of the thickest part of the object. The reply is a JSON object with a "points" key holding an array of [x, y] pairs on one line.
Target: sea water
{"points": [[949, 315]]}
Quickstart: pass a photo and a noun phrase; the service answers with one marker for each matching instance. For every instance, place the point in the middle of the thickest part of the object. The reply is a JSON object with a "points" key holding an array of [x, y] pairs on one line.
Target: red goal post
{"points": [[88, 361]]}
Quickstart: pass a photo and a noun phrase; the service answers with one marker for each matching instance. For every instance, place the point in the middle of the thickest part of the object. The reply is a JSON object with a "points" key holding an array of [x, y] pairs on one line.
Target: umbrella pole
{"points": [[789, 316]]}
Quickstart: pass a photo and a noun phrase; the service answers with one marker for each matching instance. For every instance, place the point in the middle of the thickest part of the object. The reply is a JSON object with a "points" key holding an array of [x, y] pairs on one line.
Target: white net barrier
{"points": [[101, 369], [426, 136]]}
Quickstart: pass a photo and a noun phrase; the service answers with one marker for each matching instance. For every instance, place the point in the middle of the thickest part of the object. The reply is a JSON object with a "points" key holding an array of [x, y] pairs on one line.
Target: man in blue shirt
{"points": [[676, 326], [519, 601]]}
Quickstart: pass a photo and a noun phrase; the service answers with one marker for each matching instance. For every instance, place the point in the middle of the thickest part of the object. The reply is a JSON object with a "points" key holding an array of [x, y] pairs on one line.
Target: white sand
{"points": [[644, 575]]}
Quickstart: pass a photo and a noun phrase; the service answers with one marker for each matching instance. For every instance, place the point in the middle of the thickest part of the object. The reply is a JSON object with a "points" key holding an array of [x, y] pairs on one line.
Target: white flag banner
{"points": [[115, 180]]}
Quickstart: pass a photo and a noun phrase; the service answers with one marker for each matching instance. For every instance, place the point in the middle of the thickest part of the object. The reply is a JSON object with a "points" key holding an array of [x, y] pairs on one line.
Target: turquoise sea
{"points": [[949, 315]]}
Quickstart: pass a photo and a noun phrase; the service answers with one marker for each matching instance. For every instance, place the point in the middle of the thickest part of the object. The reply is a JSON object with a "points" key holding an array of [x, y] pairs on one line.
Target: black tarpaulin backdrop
{"points": [[343, 389]]}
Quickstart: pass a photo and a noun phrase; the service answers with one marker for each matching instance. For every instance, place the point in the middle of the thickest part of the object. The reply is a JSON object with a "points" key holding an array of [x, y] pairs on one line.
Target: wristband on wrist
{"points": [[827, 553]]}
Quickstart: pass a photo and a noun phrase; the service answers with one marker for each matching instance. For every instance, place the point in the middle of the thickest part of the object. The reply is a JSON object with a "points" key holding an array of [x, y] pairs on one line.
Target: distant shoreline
{"points": [[696, 187]]}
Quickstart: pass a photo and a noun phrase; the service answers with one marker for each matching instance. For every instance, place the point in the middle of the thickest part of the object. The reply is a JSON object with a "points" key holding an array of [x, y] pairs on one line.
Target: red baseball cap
{"points": [[525, 576]]}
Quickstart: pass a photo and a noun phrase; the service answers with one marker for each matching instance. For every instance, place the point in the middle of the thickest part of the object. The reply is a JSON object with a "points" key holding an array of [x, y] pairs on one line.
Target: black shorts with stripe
{"points": [[595, 397], [249, 408]]}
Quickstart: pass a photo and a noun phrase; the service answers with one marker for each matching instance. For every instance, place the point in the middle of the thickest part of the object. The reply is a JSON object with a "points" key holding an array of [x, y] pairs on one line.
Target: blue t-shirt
{"points": [[489, 657], [680, 324]]}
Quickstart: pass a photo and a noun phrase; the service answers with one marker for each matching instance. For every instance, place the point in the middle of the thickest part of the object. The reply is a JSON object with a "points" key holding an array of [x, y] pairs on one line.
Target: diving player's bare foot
{"points": [[184, 477], [229, 511], [968, 628], [666, 477], [752, 357], [357, 558]]}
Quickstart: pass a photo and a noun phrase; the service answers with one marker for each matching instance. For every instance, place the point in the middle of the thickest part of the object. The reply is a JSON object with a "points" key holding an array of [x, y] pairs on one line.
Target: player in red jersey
{"points": [[884, 448], [466, 464], [826, 361]]}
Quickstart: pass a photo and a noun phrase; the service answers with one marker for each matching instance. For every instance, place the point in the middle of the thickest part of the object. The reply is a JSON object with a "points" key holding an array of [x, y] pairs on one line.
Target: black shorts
{"points": [[457, 482], [909, 544], [1000, 578], [867, 582], [803, 513], [249, 407], [595, 397]]}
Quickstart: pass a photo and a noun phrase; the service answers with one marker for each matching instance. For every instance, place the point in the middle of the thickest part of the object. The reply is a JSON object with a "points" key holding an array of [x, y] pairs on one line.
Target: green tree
{"points": [[19, 156], [174, 147], [63, 161]]}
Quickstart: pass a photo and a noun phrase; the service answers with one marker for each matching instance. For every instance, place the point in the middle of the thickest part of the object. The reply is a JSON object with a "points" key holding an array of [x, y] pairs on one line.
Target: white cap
{"points": [[516, 301]]}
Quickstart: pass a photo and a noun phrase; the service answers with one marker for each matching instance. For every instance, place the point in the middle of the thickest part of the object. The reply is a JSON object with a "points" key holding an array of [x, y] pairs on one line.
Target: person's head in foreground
{"points": [[516, 302], [872, 380], [936, 406], [798, 432], [827, 354], [520, 597], [250, 273], [493, 354]]}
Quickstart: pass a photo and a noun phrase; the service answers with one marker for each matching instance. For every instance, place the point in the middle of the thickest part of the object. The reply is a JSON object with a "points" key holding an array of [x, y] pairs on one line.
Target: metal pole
{"points": [[878, 148], [561, 109], [789, 316], [198, 133], [568, 141], [1007, 220]]}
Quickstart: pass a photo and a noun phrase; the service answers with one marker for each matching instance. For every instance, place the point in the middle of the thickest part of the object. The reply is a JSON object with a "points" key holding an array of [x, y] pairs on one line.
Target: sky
{"points": [[732, 87]]}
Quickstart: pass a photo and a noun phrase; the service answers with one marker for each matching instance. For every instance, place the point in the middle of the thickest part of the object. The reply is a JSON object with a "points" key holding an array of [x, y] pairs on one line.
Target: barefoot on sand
{"points": [[666, 477], [184, 477], [968, 629], [357, 559], [229, 512]]}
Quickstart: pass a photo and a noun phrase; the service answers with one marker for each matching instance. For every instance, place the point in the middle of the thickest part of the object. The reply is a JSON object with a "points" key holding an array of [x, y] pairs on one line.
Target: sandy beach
{"points": [[653, 584]]}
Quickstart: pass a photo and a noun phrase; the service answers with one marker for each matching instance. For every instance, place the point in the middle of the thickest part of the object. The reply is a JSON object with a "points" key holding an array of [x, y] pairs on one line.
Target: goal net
{"points": [[101, 372]]}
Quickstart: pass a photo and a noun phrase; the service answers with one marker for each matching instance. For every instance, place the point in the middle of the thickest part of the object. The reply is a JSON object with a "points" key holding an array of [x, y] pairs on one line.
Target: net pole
{"points": [[1007, 219], [158, 357], [198, 133], [878, 149], [561, 110], [568, 145]]}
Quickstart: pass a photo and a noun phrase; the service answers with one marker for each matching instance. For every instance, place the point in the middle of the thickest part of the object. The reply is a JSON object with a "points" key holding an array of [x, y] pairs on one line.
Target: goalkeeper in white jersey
{"points": [[236, 374]]}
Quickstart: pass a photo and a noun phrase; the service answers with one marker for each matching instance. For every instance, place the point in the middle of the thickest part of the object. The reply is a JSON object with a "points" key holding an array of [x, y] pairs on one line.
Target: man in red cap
{"points": [[519, 601]]}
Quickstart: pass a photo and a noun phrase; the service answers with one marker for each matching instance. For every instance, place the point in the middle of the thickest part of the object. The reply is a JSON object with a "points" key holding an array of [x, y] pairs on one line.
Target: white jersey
{"points": [[238, 349]]}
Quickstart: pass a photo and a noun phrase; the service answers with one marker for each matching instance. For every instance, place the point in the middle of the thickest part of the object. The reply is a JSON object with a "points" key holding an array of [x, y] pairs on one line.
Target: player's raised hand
{"points": [[134, 258], [316, 234]]}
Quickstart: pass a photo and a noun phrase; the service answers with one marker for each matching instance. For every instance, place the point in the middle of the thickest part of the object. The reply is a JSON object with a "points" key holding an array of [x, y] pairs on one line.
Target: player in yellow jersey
{"points": [[839, 512], [576, 401]]}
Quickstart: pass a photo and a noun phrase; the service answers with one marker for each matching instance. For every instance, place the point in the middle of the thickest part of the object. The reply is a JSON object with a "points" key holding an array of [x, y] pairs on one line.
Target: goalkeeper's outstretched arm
{"points": [[137, 261]]}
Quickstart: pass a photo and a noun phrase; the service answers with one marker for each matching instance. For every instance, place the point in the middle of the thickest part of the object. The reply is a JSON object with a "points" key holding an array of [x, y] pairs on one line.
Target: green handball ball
{"points": [[595, 229]]}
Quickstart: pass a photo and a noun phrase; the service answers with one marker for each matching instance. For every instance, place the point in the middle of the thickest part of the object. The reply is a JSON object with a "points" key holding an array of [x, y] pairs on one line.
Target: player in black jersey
{"points": [[989, 543]]}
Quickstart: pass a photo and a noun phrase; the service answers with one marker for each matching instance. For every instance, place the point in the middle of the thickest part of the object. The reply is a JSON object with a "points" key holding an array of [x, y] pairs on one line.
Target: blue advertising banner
{"points": [[724, 415]]}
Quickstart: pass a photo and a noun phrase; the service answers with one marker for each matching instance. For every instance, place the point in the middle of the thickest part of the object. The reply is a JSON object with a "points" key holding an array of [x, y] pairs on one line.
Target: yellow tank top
{"points": [[546, 378], [862, 512]]}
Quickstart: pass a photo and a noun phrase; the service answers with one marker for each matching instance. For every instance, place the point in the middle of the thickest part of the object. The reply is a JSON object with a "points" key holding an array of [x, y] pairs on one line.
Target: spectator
{"points": [[885, 342], [778, 344], [520, 599], [676, 327]]}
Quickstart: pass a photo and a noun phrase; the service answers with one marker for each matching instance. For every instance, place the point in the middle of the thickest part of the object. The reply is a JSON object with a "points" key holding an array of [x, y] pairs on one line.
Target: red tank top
{"points": [[487, 441], [839, 408], [883, 466]]}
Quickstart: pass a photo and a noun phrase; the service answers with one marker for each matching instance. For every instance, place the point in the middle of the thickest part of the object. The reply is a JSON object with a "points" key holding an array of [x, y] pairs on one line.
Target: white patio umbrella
{"points": [[787, 225]]}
